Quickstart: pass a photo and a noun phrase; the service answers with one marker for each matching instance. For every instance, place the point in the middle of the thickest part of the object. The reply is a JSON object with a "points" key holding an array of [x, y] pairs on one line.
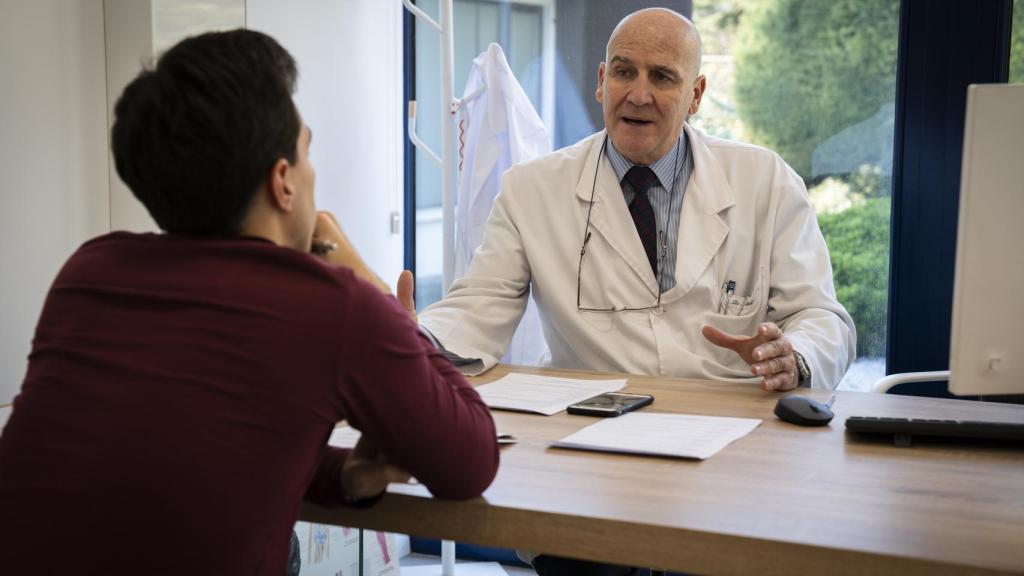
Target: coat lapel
{"points": [[609, 216], [702, 230]]}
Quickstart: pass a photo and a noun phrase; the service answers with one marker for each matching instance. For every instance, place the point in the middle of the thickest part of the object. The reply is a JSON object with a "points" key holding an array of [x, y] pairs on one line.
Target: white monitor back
{"points": [[987, 340]]}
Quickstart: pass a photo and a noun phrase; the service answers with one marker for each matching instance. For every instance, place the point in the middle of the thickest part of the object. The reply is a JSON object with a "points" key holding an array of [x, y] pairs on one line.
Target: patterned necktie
{"points": [[641, 178]]}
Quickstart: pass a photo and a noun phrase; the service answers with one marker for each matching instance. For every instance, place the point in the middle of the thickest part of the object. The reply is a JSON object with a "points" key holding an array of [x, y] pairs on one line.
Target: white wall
{"points": [[349, 54], [53, 155]]}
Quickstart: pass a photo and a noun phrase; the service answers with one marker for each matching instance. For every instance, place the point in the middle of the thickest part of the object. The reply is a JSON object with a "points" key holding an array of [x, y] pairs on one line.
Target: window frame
{"points": [[932, 75]]}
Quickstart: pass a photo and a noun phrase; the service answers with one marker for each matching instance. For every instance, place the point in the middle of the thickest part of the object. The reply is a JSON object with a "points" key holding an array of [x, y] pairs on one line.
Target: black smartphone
{"points": [[610, 404]]}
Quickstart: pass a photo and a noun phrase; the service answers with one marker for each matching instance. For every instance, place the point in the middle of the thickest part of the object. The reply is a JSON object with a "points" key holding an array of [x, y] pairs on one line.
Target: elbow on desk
{"points": [[469, 474]]}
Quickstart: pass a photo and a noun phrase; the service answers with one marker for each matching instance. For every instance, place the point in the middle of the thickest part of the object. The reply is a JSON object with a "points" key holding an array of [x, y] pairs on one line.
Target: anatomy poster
{"points": [[334, 551]]}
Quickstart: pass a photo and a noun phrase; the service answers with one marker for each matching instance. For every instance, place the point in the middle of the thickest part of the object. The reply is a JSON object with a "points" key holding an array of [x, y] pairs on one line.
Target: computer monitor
{"points": [[986, 353]]}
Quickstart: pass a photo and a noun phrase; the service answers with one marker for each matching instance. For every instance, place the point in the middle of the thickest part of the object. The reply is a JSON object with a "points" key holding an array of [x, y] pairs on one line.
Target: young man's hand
{"points": [[406, 290], [366, 473], [331, 244]]}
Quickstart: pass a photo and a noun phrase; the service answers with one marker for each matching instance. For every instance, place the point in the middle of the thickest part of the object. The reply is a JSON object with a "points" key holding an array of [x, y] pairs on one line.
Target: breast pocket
{"points": [[733, 300], [739, 314]]}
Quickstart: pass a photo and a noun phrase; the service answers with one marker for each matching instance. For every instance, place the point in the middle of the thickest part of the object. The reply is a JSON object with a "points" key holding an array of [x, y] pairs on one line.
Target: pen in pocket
{"points": [[746, 302], [728, 289]]}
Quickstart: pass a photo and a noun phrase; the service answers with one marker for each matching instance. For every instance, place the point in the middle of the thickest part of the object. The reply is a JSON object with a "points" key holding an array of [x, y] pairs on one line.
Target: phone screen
{"points": [[610, 404]]}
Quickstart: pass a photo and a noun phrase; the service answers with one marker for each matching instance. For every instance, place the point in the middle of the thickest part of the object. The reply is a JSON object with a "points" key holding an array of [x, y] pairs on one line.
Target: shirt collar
{"points": [[663, 167]]}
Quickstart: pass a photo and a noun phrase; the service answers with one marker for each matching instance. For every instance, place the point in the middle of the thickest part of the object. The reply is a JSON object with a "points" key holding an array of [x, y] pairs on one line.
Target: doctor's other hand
{"points": [[406, 291], [366, 473], [331, 244], [768, 352]]}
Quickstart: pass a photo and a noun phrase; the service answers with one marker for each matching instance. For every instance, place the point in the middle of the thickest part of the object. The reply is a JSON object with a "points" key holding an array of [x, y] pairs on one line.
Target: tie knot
{"points": [[641, 178]]}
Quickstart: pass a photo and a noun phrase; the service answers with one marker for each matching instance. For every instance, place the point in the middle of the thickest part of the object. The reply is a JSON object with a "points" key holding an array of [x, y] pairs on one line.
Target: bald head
{"points": [[659, 26], [649, 83]]}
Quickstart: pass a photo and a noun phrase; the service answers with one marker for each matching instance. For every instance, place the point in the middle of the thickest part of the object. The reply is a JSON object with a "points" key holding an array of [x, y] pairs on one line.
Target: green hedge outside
{"points": [[858, 242]]}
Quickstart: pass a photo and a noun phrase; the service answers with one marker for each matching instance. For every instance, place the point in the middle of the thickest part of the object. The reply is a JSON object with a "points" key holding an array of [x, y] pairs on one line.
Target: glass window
{"points": [[1017, 44], [814, 80], [519, 28]]}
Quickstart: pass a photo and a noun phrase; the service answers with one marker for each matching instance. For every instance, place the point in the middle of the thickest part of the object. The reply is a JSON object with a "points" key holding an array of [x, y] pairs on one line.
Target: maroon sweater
{"points": [[179, 395]]}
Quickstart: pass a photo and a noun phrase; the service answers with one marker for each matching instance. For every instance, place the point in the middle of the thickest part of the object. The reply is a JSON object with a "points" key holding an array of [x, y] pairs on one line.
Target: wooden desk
{"points": [[782, 500]]}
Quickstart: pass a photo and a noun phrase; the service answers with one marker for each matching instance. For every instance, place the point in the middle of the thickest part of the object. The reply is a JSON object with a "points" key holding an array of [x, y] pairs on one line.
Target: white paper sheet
{"points": [[344, 437], [678, 435], [542, 394]]}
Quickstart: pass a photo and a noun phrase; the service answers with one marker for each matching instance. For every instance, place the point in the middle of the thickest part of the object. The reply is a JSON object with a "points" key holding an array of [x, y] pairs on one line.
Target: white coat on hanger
{"points": [[498, 127]]}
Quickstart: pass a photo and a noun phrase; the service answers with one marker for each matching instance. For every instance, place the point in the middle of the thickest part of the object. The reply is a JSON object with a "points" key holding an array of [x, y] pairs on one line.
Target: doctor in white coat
{"points": [[743, 293]]}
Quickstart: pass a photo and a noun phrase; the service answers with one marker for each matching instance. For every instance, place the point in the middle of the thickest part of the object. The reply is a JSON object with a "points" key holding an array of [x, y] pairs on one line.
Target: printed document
{"points": [[677, 435], [344, 437], [542, 394]]}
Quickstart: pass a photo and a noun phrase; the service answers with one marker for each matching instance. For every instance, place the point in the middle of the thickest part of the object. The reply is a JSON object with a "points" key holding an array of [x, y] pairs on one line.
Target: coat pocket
{"points": [[738, 314]]}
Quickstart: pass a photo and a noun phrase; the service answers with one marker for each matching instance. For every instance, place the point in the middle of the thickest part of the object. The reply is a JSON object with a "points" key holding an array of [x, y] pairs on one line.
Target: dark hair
{"points": [[195, 137]]}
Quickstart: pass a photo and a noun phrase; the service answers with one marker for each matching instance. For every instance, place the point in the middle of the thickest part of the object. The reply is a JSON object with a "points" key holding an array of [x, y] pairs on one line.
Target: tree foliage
{"points": [[807, 69], [858, 243], [1017, 44]]}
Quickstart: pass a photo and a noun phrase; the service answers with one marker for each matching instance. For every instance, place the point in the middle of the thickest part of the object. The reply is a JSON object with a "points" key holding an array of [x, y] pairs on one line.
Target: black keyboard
{"points": [[903, 429]]}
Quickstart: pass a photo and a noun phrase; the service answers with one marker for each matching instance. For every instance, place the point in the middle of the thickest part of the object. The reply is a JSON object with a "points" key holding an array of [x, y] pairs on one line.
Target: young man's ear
{"points": [[282, 194]]}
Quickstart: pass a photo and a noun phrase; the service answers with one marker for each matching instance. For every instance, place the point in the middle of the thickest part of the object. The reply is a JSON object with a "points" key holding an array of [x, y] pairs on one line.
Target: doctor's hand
{"points": [[768, 352], [331, 244], [406, 291], [367, 473]]}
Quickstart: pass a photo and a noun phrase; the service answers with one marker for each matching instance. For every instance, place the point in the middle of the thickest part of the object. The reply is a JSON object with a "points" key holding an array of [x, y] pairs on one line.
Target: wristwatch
{"points": [[802, 369]]}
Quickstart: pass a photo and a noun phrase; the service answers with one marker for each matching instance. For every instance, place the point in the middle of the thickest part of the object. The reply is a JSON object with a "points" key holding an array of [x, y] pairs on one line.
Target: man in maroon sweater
{"points": [[182, 386]]}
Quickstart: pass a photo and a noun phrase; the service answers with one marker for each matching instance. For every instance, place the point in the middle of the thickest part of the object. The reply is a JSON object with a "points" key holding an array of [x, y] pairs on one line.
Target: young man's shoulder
{"points": [[245, 266]]}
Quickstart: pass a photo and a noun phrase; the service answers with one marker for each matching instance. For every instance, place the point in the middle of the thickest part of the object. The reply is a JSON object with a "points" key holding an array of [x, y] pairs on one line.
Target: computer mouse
{"points": [[803, 411]]}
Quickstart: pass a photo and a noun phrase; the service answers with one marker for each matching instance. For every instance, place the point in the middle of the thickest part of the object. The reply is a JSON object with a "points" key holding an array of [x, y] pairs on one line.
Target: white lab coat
{"points": [[745, 217], [498, 127]]}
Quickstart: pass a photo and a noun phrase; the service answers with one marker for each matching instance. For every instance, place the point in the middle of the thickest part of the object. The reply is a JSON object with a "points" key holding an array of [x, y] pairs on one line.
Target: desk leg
{"points": [[447, 558]]}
